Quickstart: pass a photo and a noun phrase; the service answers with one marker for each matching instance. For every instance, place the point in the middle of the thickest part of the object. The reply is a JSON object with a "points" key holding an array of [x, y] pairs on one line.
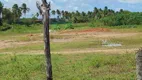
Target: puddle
{"points": [[108, 44], [113, 45]]}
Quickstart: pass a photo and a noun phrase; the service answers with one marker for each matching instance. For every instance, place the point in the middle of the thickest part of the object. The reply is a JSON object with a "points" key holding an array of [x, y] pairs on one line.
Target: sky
{"points": [[80, 5]]}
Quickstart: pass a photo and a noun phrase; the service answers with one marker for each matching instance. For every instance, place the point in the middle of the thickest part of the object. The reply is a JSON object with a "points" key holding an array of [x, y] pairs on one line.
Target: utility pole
{"points": [[44, 9]]}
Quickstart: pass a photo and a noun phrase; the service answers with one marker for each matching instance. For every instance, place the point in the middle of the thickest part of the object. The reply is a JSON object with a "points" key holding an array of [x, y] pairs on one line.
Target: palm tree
{"points": [[69, 15], [72, 14], [89, 13], [1, 8], [58, 12], [77, 13], [53, 12], [100, 13], [63, 14], [110, 12], [83, 14], [121, 10], [66, 14], [25, 9], [96, 12], [105, 11], [16, 12], [7, 15], [37, 14]]}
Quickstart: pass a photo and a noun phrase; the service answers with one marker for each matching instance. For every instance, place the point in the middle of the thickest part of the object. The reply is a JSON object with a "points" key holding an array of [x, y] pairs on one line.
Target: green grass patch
{"points": [[55, 46], [129, 42], [69, 67]]}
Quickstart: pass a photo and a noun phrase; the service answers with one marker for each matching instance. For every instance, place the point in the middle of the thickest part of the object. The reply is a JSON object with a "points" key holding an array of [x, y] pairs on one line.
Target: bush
{"points": [[56, 27], [5, 27], [92, 24], [69, 26], [80, 19], [123, 19]]}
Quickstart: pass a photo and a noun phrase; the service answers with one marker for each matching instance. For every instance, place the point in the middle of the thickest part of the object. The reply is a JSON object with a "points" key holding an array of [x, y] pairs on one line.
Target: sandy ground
{"points": [[8, 44]]}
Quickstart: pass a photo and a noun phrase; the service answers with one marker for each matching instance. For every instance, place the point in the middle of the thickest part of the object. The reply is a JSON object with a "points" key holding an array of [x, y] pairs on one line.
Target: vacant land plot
{"points": [[74, 42], [76, 55]]}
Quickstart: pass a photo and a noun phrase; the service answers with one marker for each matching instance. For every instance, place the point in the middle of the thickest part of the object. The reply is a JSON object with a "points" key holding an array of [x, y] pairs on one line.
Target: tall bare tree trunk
{"points": [[44, 9], [47, 49]]}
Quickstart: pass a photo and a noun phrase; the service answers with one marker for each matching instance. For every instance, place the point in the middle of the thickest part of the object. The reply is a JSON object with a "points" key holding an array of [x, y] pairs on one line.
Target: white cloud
{"points": [[130, 1], [6, 0]]}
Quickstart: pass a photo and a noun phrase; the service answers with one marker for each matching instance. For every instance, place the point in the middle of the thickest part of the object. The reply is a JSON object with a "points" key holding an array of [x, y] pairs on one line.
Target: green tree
{"points": [[121, 10], [110, 12], [89, 14], [100, 13], [16, 12], [77, 13], [67, 15], [53, 12], [24, 9], [83, 14], [58, 13], [37, 14], [105, 11], [72, 16], [63, 14], [96, 12], [7, 15]]}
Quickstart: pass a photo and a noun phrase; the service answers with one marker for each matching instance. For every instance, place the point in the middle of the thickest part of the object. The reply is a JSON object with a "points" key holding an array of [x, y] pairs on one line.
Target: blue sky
{"points": [[81, 5]]}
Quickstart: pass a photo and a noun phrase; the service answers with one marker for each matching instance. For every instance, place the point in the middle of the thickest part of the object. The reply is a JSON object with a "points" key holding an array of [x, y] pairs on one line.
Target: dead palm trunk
{"points": [[44, 9]]}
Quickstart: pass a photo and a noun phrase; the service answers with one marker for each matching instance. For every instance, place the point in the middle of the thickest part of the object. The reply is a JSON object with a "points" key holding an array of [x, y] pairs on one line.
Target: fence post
{"points": [[139, 64], [44, 9]]}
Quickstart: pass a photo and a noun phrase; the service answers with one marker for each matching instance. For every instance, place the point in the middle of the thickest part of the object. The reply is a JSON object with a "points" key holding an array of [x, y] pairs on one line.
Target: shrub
{"points": [[69, 26], [5, 27], [56, 27], [92, 24], [123, 19], [80, 19]]}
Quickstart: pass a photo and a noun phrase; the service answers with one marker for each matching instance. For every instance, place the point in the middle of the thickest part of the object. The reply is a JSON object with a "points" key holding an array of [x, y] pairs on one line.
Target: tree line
{"points": [[106, 16], [14, 14], [78, 17]]}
